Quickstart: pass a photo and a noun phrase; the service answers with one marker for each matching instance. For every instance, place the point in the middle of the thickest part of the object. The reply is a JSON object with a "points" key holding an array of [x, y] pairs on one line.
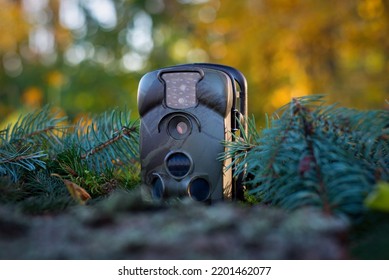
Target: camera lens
{"points": [[179, 127], [178, 164], [199, 189], [158, 188], [182, 128]]}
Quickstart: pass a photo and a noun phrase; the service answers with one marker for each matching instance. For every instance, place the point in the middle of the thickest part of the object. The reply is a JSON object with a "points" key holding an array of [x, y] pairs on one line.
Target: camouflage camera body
{"points": [[187, 111]]}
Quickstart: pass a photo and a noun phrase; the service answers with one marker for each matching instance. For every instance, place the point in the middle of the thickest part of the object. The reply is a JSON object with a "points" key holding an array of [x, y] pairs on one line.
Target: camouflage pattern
{"points": [[209, 125]]}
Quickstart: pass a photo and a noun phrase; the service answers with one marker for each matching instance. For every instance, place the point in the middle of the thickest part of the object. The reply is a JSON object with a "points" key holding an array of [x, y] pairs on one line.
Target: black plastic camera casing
{"points": [[187, 112]]}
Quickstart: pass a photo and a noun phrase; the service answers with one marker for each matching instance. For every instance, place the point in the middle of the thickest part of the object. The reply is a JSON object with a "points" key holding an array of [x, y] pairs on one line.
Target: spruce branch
{"points": [[43, 130], [44, 193], [97, 158], [124, 132], [12, 160], [108, 142], [240, 145], [25, 145], [310, 159], [314, 155]]}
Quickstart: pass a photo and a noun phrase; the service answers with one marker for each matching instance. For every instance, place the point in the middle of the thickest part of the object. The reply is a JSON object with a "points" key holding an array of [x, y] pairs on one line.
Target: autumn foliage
{"points": [[73, 56]]}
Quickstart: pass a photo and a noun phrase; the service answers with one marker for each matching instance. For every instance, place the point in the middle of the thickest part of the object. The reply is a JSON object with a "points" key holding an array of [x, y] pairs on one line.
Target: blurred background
{"points": [[87, 56]]}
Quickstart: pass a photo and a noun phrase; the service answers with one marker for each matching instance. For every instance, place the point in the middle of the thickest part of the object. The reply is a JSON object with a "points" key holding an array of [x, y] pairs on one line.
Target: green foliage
{"points": [[251, 199], [111, 140], [25, 145], [99, 157], [309, 154], [44, 194], [378, 199], [315, 155]]}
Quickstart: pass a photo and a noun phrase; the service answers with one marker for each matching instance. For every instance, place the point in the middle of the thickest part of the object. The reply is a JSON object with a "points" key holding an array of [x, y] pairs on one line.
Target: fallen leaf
{"points": [[78, 193]]}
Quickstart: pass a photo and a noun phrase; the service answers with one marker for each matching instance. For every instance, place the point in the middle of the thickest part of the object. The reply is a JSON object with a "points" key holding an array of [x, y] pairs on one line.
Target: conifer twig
{"points": [[38, 132], [16, 159], [309, 130], [124, 132]]}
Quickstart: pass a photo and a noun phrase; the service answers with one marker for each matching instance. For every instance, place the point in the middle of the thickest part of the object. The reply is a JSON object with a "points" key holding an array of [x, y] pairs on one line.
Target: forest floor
{"points": [[126, 227]]}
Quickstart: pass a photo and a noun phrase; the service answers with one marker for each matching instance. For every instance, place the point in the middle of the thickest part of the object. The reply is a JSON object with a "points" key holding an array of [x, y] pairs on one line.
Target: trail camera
{"points": [[187, 111]]}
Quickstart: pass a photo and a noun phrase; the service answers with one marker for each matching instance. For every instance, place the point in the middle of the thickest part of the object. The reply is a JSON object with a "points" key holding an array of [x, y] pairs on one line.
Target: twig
{"points": [[125, 131]]}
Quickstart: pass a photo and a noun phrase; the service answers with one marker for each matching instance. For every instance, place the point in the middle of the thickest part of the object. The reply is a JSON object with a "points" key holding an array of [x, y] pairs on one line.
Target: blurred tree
{"points": [[292, 48], [88, 55]]}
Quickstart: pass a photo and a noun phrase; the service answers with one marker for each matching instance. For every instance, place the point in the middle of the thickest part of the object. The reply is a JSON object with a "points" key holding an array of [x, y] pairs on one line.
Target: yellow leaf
{"points": [[78, 193], [379, 198]]}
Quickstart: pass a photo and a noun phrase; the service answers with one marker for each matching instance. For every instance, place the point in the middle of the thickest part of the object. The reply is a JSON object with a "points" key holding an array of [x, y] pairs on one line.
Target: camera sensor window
{"points": [[181, 89], [158, 188], [199, 189], [178, 165]]}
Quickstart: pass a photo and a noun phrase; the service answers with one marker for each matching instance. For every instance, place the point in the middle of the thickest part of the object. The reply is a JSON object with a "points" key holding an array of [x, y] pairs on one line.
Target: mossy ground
{"points": [[124, 226]]}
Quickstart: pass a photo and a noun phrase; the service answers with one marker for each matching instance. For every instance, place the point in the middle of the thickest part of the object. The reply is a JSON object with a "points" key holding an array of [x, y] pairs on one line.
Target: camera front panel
{"points": [[185, 116]]}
